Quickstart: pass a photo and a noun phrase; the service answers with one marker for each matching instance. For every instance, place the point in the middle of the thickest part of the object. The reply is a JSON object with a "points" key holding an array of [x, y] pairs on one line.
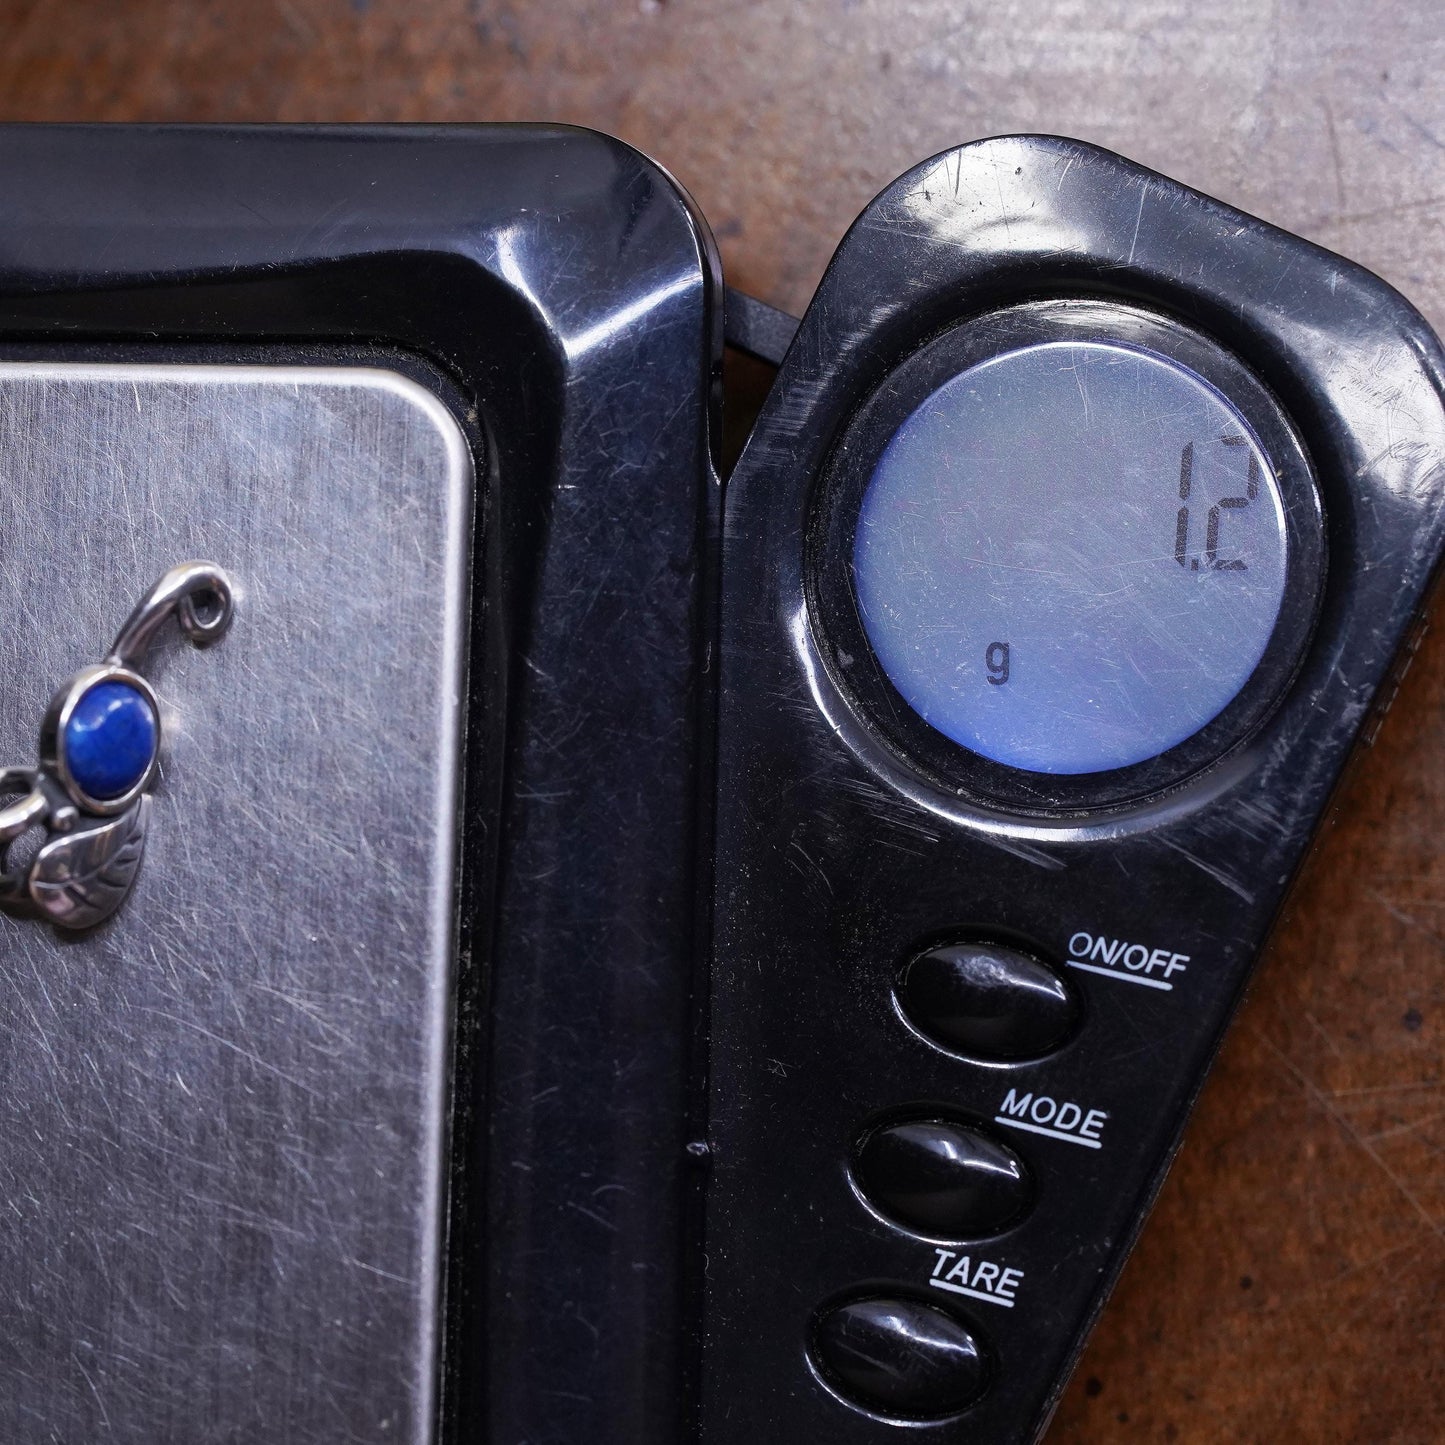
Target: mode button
{"points": [[942, 1178]]}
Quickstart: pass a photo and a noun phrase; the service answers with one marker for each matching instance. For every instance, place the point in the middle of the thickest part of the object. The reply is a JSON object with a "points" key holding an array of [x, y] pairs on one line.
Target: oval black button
{"points": [[988, 1001], [942, 1178], [899, 1357]]}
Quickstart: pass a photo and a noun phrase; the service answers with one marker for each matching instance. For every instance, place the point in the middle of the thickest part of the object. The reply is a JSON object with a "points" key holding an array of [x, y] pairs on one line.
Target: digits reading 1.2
{"points": [[1211, 530]]}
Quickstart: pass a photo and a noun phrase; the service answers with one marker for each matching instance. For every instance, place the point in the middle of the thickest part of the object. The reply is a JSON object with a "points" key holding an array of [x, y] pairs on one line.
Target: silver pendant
{"points": [[99, 748]]}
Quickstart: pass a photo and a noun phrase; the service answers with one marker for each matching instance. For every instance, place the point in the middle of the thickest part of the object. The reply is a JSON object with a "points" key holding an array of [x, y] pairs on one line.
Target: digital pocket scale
{"points": [[619, 959]]}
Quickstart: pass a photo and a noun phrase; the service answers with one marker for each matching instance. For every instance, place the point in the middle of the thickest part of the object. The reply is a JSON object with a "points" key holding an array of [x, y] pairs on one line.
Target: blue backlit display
{"points": [[1071, 556]]}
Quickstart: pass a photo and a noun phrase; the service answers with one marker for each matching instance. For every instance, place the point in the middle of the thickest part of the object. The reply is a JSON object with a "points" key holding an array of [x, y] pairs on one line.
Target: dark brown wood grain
{"points": [[1291, 1283]]}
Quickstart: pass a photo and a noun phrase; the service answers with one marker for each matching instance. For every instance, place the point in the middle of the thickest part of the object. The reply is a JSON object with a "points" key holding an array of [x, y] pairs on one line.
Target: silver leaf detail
{"points": [[79, 879]]}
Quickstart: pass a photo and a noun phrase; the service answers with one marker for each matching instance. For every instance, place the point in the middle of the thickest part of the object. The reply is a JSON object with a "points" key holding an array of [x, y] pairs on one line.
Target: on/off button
{"points": [[988, 1001]]}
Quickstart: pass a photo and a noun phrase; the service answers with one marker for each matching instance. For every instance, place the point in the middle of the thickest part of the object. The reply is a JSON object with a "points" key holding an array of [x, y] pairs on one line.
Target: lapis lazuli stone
{"points": [[110, 739]]}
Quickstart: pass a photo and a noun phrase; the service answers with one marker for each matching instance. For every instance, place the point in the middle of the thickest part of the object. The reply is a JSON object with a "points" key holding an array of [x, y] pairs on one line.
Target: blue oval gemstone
{"points": [[110, 739]]}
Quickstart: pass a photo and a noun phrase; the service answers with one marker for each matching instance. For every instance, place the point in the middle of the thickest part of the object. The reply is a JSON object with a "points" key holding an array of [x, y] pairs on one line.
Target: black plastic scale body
{"points": [[961, 1008], [245, 1243]]}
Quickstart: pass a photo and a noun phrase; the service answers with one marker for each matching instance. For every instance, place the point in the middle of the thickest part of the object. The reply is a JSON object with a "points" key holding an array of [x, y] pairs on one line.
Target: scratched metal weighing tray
{"points": [[234, 1092]]}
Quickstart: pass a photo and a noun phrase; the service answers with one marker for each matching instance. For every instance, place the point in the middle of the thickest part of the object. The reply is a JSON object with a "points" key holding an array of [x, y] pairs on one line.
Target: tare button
{"points": [[899, 1357]]}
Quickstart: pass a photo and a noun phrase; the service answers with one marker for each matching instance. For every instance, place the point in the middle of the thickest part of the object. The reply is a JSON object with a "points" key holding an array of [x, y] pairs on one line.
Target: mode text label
{"points": [[1057, 1118]]}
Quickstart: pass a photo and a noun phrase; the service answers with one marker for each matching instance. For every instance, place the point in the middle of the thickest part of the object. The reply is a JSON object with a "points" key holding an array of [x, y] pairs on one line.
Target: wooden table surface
{"points": [[1291, 1283]]}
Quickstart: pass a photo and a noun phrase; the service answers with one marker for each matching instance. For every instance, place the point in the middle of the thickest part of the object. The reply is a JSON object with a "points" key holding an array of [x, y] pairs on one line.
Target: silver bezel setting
{"points": [[57, 718]]}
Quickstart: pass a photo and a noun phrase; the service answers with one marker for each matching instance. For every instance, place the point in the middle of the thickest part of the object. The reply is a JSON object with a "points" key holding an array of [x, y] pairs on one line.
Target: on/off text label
{"points": [[1125, 960]]}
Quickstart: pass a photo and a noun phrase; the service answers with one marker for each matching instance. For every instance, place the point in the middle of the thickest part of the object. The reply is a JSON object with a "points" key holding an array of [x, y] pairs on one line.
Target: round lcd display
{"points": [[1071, 556]]}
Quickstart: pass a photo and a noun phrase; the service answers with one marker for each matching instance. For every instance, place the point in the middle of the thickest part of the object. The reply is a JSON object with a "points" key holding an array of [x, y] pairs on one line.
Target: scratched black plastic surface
{"points": [[834, 860], [566, 287]]}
